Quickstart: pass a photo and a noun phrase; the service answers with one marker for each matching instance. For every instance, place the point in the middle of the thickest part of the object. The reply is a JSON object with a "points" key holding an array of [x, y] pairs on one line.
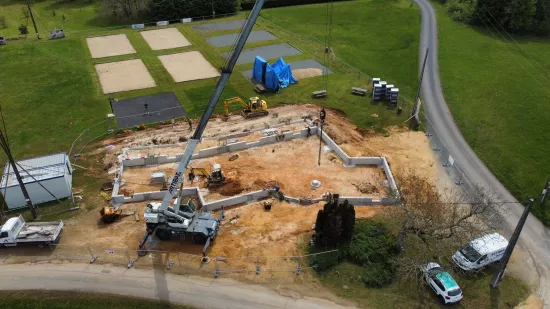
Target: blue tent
{"points": [[273, 77]]}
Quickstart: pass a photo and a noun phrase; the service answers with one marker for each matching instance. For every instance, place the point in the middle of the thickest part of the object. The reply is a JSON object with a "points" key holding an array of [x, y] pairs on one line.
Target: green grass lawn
{"points": [[501, 109], [77, 300], [80, 15], [344, 281], [51, 92]]}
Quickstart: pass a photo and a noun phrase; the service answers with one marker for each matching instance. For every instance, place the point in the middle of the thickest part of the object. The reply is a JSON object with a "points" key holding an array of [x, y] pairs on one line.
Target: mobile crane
{"points": [[164, 220]]}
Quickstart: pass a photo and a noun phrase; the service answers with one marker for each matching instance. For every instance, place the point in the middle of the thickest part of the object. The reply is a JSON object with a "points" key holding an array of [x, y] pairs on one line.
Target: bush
{"points": [[371, 243], [373, 247], [378, 275], [23, 29], [461, 10], [326, 261]]}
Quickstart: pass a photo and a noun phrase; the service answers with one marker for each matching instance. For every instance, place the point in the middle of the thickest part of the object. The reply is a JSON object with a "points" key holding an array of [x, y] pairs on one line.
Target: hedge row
{"points": [[249, 4], [173, 9]]}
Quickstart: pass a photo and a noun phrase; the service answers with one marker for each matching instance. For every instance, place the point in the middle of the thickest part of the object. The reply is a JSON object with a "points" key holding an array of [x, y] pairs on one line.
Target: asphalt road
{"points": [[154, 284], [535, 237]]}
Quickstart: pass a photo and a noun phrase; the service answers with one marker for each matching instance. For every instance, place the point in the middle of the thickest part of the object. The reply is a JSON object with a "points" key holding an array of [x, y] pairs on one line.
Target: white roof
{"points": [[9, 224], [41, 168], [489, 243]]}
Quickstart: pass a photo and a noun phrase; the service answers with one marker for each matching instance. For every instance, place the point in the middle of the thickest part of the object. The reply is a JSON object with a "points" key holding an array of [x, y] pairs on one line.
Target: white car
{"points": [[442, 283]]}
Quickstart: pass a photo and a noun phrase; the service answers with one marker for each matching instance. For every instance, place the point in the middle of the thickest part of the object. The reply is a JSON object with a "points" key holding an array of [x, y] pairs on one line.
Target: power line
{"points": [[504, 45], [511, 37]]}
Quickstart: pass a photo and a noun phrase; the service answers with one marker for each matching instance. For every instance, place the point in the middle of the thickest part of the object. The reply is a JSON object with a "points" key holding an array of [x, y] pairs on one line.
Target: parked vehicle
{"points": [[481, 252], [443, 284], [16, 231]]}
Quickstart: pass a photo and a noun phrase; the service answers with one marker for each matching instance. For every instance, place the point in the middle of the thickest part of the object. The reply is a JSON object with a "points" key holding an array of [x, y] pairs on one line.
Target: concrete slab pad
{"points": [[160, 107], [110, 45], [124, 76], [300, 69], [213, 27], [164, 38], [267, 52], [188, 66], [229, 39]]}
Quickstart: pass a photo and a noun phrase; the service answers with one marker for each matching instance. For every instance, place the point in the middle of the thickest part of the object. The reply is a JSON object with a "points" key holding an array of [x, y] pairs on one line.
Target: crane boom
{"points": [[226, 71]]}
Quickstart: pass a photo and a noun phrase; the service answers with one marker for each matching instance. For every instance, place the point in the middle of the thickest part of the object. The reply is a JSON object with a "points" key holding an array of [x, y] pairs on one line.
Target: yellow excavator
{"points": [[214, 178], [253, 108]]}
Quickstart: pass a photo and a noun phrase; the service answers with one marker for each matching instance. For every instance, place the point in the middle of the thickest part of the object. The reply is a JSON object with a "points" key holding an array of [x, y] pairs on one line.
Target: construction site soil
{"points": [[292, 165]]}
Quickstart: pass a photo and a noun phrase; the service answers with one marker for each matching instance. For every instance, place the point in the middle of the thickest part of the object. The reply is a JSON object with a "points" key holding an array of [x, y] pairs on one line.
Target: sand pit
{"points": [[188, 66], [164, 38], [124, 76], [108, 46], [306, 73]]}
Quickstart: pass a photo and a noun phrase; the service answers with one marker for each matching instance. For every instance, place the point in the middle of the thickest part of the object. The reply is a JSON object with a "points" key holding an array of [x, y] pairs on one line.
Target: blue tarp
{"points": [[273, 77], [263, 72], [284, 72]]}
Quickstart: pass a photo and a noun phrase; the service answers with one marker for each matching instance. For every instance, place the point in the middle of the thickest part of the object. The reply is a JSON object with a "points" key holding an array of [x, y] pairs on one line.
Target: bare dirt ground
{"points": [[110, 45], [403, 150], [188, 66], [292, 165], [124, 76], [164, 38]]}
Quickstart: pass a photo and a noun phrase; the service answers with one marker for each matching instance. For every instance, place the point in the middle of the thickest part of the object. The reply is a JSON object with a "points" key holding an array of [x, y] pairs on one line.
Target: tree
{"points": [[334, 225], [432, 225], [173, 9], [513, 15]]}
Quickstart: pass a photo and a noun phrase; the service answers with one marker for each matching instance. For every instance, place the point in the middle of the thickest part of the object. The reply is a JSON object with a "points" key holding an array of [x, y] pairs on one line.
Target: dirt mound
{"points": [[262, 184], [230, 188], [365, 187]]}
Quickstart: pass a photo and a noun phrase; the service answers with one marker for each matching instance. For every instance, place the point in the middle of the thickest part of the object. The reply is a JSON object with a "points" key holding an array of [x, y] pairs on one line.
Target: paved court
{"points": [[213, 27], [269, 52], [160, 107], [229, 39]]}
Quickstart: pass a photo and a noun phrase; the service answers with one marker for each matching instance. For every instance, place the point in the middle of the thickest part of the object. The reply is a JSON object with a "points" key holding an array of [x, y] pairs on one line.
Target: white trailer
{"points": [[16, 231]]}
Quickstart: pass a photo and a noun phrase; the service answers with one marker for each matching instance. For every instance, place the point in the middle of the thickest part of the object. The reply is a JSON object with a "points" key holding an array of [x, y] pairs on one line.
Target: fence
{"points": [[250, 268]]}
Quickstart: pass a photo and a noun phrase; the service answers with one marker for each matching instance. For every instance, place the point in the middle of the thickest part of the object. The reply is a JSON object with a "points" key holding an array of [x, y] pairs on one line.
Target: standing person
{"points": [[190, 124], [173, 123], [146, 111], [308, 131]]}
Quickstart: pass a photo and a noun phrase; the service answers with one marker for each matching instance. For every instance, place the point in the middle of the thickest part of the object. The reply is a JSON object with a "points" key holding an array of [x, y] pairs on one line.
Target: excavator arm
{"points": [[197, 171], [227, 102]]}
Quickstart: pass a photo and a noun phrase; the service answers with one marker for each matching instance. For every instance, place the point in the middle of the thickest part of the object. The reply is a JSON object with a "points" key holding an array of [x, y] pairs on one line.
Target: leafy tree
{"points": [[513, 15], [334, 225], [172, 9]]}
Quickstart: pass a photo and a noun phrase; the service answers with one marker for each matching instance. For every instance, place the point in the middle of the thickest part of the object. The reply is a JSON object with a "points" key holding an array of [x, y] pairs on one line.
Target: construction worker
{"points": [[190, 124], [308, 131]]}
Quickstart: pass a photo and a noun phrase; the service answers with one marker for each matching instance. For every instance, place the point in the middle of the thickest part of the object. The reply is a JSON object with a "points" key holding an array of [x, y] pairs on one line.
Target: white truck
{"points": [[16, 231], [481, 252]]}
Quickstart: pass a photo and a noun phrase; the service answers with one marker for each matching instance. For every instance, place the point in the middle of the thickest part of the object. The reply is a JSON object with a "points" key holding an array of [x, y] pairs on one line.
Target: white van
{"points": [[481, 252]]}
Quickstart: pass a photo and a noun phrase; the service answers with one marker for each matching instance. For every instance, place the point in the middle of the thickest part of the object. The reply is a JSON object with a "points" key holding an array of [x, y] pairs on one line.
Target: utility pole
{"points": [[415, 103], [544, 194], [6, 148], [32, 18], [504, 261]]}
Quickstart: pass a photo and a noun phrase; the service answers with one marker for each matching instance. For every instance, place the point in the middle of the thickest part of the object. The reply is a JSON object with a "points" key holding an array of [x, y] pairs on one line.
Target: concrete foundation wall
{"points": [[252, 196], [235, 200], [366, 160]]}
